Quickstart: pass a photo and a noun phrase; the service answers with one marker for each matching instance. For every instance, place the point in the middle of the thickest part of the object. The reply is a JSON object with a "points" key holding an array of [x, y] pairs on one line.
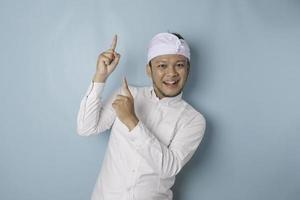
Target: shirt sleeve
{"points": [[94, 116], [168, 161]]}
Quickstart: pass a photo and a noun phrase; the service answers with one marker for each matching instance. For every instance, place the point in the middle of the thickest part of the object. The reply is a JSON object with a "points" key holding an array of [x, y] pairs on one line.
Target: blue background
{"points": [[244, 80]]}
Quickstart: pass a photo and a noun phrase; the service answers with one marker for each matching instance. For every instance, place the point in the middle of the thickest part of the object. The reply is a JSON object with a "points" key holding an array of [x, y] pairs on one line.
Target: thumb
{"points": [[125, 88], [116, 59]]}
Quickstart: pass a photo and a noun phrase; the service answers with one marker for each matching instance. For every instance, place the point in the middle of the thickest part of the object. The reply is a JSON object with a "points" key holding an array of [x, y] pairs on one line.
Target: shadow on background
{"points": [[194, 165], [194, 82]]}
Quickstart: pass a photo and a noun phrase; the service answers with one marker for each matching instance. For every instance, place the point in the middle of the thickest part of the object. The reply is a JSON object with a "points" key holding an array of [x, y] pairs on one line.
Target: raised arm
{"points": [[107, 62], [94, 116]]}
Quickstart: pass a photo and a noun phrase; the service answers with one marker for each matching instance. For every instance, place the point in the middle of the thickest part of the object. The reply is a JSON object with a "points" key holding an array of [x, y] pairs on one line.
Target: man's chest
{"points": [[161, 120]]}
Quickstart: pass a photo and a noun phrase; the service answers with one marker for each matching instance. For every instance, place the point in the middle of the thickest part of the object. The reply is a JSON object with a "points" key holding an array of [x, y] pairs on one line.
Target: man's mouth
{"points": [[170, 83]]}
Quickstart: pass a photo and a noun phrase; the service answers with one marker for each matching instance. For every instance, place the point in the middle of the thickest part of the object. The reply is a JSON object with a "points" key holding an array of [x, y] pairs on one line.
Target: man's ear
{"points": [[148, 69]]}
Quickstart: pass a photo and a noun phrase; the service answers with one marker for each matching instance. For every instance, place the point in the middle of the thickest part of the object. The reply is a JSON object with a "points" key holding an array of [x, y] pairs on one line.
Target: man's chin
{"points": [[171, 94]]}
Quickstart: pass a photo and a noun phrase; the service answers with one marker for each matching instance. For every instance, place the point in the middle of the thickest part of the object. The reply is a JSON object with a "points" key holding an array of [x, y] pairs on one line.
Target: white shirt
{"points": [[141, 164]]}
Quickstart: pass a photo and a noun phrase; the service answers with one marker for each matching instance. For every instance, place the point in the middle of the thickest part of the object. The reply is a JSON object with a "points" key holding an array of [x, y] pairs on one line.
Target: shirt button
{"points": [[133, 171]]}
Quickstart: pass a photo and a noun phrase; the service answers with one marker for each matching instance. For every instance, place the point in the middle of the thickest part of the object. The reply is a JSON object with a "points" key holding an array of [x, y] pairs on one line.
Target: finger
{"points": [[114, 105], [105, 56], [109, 55], [116, 59], [116, 102], [109, 51], [114, 43], [126, 88], [121, 97], [106, 60]]}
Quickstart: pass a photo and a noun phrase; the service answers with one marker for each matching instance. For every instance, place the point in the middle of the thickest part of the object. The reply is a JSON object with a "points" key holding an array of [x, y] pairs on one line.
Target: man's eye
{"points": [[161, 65], [180, 65]]}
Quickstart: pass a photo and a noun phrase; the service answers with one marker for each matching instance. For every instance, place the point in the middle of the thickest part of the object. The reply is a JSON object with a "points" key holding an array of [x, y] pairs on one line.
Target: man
{"points": [[154, 132]]}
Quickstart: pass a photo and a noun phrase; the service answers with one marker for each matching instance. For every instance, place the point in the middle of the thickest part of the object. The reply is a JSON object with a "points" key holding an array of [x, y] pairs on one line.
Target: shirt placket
{"points": [[151, 121], [132, 180], [152, 118]]}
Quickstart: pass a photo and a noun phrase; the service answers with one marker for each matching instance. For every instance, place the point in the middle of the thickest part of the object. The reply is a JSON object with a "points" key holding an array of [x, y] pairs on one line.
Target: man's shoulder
{"points": [[190, 113]]}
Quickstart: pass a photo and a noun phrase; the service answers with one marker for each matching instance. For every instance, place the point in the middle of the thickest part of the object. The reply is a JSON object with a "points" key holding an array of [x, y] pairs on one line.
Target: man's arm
{"points": [[168, 161], [94, 116]]}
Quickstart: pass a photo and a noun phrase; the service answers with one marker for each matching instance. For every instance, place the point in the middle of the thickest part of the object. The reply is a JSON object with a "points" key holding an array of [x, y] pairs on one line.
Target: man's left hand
{"points": [[124, 107]]}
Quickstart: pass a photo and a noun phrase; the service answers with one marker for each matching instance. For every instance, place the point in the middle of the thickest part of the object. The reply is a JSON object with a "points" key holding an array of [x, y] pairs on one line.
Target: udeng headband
{"points": [[167, 43]]}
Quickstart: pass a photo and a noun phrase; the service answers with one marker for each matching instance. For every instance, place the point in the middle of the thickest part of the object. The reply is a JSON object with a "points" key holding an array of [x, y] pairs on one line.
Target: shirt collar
{"points": [[165, 100]]}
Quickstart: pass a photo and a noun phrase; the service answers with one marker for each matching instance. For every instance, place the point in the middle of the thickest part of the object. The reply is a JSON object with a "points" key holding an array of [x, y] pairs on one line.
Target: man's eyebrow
{"points": [[181, 61], [160, 61], [165, 60]]}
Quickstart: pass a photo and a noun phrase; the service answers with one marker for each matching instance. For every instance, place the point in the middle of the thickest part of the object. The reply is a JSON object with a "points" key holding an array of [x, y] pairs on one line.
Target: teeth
{"points": [[170, 82]]}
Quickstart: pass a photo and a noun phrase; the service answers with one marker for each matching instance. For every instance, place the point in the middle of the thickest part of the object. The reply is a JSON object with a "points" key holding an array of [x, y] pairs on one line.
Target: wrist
{"points": [[132, 123], [99, 78]]}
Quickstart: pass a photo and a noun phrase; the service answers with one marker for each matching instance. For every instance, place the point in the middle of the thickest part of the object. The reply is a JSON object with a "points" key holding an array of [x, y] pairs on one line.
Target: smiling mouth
{"points": [[171, 83]]}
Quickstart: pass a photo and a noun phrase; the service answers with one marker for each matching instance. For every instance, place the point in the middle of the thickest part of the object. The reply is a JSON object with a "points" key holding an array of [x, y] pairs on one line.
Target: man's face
{"points": [[169, 74]]}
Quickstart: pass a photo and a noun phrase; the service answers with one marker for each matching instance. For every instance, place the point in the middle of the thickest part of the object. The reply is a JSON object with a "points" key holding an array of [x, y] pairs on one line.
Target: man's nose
{"points": [[171, 70]]}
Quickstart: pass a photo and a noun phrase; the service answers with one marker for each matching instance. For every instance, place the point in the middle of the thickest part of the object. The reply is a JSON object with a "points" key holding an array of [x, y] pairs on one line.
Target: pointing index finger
{"points": [[126, 90], [125, 83], [114, 43]]}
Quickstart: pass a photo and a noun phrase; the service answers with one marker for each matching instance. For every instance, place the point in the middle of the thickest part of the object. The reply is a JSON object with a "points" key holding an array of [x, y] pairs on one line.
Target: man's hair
{"points": [[179, 37]]}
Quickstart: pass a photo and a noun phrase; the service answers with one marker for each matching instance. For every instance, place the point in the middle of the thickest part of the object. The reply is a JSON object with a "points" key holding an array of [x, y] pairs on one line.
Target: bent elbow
{"points": [[81, 132], [84, 132]]}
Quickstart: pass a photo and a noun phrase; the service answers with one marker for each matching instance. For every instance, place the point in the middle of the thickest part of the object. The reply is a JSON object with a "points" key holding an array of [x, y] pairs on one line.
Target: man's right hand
{"points": [[107, 62]]}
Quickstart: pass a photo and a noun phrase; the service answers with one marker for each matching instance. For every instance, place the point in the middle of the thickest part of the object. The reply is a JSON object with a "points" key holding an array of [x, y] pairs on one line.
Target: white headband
{"points": [[167, 43]]}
